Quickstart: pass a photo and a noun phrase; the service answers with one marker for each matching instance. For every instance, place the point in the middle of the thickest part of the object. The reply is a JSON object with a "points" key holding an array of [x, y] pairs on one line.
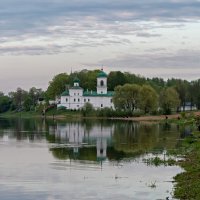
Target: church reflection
{"points": [[79, 142], [92, 140]]}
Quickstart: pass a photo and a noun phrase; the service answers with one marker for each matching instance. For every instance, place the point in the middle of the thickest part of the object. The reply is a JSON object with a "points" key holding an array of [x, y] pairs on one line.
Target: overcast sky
{"points": [[41, 38]]}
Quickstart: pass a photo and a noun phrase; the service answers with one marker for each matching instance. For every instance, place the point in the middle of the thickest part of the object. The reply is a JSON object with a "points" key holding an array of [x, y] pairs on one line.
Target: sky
{"points": [[42, 38]]}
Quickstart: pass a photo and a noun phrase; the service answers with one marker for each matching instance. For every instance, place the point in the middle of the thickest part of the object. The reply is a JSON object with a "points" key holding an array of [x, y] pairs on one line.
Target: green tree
{"points": [[148, 99], [34, 94], [88, 79], [57, 85], [194, 93], [169, 100], [116, 78], [4, 103], [1, 94], [182, 89], [87, 109], [28, 104], [18, 98], [126, 97], [134, 79]]}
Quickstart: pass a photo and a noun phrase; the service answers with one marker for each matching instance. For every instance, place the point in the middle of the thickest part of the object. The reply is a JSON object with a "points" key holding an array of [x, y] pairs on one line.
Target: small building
{"points": [[189, 106], [74, 98]]}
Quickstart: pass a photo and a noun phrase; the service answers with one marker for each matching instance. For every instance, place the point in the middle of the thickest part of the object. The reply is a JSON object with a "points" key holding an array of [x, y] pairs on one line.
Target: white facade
{"points": [[76, 136], [75, 97], [102, 85]]}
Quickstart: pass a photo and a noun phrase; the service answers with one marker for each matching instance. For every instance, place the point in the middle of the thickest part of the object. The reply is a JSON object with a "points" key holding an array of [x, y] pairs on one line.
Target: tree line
{"points": [[132, 92]]}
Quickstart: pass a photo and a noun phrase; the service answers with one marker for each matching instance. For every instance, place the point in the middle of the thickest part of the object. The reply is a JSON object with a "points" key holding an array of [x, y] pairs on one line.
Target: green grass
{"points": [[156, 161], [50, 113], [188, 182], [11, 114]]}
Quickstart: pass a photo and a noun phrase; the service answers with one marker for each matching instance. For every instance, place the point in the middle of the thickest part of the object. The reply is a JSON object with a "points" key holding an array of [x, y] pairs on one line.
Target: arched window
{"points": [[102, 83]]}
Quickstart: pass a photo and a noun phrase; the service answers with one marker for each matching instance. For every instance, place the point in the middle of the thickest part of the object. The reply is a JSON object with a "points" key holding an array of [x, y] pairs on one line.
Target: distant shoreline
{"points": [[150, 118]]}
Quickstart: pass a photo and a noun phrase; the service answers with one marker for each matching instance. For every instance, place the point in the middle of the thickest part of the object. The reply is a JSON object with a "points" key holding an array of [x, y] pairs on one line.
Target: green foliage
{"points": [[188, 183], [126, 97], [4, 103], [57, 85], [148, 99], [87, 109], [156, 161], [169, 100], [194, 92], [116, 78], [182, 89], [88, 79], [135, 79], [132, 92]]}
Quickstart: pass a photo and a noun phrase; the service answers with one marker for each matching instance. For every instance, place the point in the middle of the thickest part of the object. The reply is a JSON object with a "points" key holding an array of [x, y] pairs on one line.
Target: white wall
{"points": [[102, 89], [96, 101]]}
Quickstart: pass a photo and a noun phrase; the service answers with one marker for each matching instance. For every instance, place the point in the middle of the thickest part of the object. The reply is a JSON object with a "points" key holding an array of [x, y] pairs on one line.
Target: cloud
{"points": [[27, 16], [76, 24], [182, 59], [135, 35], [147, 35]]}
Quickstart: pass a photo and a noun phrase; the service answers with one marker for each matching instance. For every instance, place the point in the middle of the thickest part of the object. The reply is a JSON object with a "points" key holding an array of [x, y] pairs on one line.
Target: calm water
{"points": [[50, 160]]}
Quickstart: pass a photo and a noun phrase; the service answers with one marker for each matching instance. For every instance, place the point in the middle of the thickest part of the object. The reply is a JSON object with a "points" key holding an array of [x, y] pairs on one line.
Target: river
{"points": [[58, 160]]}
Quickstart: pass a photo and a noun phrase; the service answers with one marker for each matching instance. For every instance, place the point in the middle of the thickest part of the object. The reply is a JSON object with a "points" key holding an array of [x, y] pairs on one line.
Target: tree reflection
{"points": [[93, 140]]}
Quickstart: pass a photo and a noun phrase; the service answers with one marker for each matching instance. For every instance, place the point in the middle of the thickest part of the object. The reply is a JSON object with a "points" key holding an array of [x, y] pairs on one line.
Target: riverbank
{"points": [[59, 114], [188, 182]]}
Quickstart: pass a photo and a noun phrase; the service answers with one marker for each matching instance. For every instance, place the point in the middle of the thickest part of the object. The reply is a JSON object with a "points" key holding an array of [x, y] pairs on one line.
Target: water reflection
{"points": [[93, 140], [57, 159]]}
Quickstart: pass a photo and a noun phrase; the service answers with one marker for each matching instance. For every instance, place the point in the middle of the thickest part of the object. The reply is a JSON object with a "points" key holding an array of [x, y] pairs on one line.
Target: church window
{"points": [[78, 100], [101, 83], [88, 100], [84, 100], [111, 100], [101, 105], [66, 99], [74, 100]]}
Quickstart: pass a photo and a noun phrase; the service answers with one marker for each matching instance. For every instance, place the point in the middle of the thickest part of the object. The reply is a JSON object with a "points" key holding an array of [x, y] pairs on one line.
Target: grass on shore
{"points": [[188, 182], [51, 113]]}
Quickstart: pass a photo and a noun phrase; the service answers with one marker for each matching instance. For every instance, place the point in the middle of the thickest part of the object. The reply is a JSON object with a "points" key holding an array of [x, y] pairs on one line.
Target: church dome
{"points": [[102, 74], [76, 80]]}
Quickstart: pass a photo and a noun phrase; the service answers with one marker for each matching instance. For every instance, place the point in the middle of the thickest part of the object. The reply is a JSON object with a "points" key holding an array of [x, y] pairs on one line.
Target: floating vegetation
{"points": [[156, 161], [152, 185]]}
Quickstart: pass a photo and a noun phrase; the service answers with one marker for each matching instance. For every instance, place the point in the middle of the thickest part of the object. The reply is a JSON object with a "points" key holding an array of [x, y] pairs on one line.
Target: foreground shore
{"points": [[188, 182], [77, 115]]}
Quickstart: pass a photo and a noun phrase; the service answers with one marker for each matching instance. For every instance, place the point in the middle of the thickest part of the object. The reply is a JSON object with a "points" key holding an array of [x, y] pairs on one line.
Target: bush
{"points": [[61, 108], [87, 109]]}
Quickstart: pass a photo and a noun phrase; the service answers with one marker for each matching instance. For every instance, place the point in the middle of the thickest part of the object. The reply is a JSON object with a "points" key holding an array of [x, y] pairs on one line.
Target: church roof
{"points": [[76, 80], [95, 94], [65, 93], [76, 87], [101, 74]]}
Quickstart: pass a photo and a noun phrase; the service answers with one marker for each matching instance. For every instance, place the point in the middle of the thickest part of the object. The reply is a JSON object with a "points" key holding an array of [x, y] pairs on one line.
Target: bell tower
{"points": [[102, 83]]}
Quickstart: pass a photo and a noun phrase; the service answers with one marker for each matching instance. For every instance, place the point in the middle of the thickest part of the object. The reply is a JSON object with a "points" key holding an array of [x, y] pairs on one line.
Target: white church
{"points": [[75, 97]]}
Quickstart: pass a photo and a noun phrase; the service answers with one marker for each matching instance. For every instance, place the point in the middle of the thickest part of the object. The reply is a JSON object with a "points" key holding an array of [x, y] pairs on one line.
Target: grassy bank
{"points": [[53, 113], [180, 119], [11, 114], [188, 182]]}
